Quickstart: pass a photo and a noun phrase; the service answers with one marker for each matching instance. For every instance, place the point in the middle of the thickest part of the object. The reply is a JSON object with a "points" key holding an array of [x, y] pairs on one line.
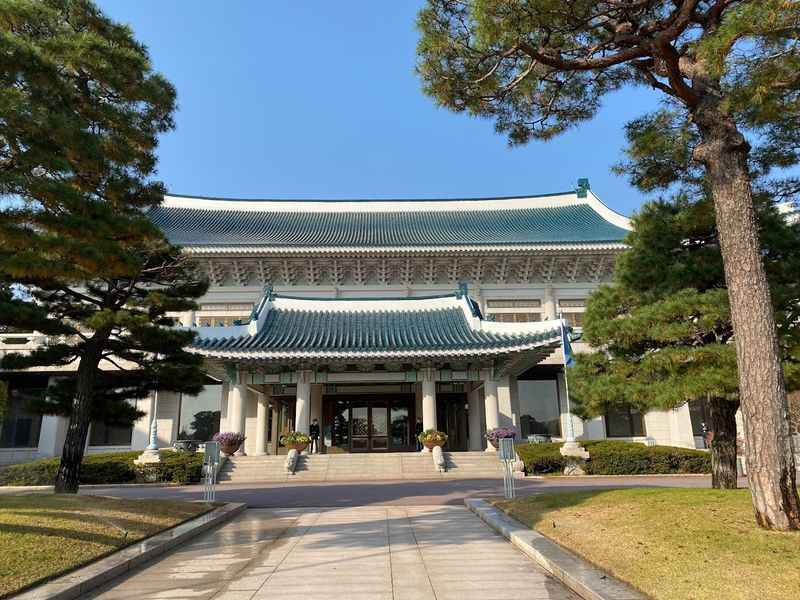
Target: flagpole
{"points": [[570, 437]]}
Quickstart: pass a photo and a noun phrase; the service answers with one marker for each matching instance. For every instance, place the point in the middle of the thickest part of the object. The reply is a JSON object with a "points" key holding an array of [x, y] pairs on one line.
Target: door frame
{"points": [[371, 401]]}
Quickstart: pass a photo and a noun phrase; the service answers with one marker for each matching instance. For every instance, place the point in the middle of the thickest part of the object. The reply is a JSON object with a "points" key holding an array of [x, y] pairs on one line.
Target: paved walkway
{"points": [[375, 553]]}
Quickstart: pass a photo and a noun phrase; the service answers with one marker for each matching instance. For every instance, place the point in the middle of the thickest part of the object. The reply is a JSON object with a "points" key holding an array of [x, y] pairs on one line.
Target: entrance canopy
{"points": [[432, 331]]}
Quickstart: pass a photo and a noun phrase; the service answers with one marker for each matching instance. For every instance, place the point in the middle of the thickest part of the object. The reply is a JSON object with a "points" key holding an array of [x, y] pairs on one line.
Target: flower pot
{"points": [[298, 447], [229, 449], [432, 445], [495, 443]]}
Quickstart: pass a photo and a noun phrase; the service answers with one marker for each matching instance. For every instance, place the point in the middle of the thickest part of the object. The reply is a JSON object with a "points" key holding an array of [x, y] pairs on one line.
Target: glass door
{"points": [[359, 427], [379, 427]]}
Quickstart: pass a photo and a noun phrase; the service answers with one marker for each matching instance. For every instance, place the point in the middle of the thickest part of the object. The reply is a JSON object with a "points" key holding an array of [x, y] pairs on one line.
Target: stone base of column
{"points": [[573, 450], [576, 456], [148, 457]]}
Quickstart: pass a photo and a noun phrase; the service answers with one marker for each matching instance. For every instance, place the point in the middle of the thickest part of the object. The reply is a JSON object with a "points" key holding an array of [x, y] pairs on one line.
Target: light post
{"points": [[151, 454]]}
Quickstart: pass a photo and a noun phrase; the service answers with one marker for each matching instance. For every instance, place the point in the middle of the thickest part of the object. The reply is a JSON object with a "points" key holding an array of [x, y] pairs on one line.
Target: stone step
{"points": [[360, 467]]}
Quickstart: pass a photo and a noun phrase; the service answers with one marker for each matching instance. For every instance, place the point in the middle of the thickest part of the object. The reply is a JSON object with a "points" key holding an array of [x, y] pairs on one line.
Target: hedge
{"points": [[113, 467], [608, 457]]}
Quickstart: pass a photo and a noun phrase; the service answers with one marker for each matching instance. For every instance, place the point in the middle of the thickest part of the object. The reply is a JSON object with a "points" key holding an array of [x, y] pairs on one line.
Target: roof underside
{"points": [[577, 223]]}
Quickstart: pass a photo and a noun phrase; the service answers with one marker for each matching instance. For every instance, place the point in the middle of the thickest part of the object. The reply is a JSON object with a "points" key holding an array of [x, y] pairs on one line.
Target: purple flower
{"points": [[229, 438], [500, 433]]}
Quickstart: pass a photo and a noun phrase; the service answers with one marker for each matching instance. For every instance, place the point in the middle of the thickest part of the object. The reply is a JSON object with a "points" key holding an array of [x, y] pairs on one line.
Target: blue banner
{"points": [[569, 358]]}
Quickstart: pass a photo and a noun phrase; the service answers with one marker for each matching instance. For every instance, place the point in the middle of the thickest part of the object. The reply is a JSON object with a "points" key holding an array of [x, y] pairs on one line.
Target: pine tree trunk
{"points": [[723, 444], [768, 446], [68, 475]]}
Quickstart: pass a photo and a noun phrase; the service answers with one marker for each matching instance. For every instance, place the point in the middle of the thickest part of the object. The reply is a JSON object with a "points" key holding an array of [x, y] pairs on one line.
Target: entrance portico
{"points": [[372, 372]]}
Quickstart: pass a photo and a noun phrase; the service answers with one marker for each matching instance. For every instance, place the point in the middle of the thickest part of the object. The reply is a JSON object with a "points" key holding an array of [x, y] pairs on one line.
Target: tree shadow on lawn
{"points": [[73, 534]]}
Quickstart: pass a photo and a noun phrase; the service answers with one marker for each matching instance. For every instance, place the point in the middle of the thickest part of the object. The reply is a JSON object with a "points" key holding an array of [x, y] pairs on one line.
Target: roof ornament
{"points": [[266, 296], [583, 187]]}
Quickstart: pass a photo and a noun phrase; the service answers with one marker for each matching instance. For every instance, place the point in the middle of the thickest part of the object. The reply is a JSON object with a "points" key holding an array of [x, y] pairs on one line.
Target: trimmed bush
{"points": [[609, 457], [114, 467], [541, 458]]}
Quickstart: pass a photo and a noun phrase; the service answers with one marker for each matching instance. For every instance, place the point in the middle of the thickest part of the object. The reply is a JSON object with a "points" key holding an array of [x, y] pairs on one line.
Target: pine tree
{"points": [[729, 68], [664, 326], [80, 114]]}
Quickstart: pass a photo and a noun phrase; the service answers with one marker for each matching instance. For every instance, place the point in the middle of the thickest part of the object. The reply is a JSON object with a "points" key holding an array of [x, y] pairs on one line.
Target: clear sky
{"points": [[318, 99]]}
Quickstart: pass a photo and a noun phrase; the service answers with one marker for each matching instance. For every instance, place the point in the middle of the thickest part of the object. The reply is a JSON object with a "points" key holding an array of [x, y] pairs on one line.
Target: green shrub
{"points": [[114, 467], [609, 457], [541, 458]]}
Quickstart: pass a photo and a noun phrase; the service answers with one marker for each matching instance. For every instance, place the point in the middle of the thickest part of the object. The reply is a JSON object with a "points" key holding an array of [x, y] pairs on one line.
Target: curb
{"points": [[583, 578], [10, 490], [79, 582]]}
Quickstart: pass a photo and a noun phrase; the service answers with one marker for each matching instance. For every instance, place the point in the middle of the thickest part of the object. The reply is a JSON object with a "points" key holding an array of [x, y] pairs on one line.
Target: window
{"points": [[223, 315], [222, 320], [538, 408], [516, 317], [515, 303], [513, 310], [20, 428], [698, 412], [199, 415], [101, 434], [624, 421], [572, 310]]}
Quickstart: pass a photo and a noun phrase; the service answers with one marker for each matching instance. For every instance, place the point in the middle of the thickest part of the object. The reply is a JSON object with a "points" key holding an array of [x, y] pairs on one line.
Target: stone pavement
{"points": [[375, 553]]}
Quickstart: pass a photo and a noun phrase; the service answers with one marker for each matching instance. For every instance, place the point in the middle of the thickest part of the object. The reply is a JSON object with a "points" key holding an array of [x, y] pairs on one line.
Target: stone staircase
{"points": [[472, 465], [360, 467]]}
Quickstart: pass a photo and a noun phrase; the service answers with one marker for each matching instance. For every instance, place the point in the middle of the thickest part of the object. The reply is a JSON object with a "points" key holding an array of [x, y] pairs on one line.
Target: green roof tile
{"points": [[413, 328], [577, 223]]}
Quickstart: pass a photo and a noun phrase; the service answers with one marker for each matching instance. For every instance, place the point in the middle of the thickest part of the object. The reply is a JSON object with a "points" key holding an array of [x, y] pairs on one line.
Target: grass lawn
{"points": [[42, 536], [673, 544]]}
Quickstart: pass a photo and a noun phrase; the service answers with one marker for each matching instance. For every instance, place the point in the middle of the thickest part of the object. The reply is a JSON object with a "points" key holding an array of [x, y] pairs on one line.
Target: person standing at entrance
{"points": [[417, 431], [313, 433]]}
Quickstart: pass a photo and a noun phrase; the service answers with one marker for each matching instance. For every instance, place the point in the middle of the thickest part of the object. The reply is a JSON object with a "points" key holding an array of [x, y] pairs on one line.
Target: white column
{"points": [[261, 425], [223, 406], [505, 407], [492, 410], [302, 407], [237, 396], [428, 401], [273, 405], [549, 303], [475, 432]]}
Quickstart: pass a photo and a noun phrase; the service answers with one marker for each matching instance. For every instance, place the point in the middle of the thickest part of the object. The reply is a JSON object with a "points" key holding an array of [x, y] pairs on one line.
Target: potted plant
{"points": [[494, 436], [295, 440], [431, 438], [229, 441]]}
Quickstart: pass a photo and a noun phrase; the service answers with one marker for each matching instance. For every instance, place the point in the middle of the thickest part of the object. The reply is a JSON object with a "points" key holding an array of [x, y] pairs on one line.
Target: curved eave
{"points": [[379, 355], [391, 250]]}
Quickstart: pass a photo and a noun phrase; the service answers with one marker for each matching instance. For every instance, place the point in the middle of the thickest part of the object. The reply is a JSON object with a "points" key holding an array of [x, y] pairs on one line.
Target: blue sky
{"points": [[318, 99]]}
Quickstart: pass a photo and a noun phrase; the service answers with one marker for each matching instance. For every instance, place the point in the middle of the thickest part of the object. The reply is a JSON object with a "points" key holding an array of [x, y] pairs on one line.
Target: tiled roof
{"points": [[416, 224], [387, 328]]}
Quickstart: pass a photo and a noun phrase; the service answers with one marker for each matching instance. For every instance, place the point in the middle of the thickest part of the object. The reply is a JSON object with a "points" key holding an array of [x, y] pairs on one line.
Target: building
{"points": [[376, 317]]}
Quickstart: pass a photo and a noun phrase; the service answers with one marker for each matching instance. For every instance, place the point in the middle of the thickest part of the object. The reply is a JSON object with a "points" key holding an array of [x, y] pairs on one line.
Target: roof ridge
{"points": [[335, 200], [366, 298]]}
